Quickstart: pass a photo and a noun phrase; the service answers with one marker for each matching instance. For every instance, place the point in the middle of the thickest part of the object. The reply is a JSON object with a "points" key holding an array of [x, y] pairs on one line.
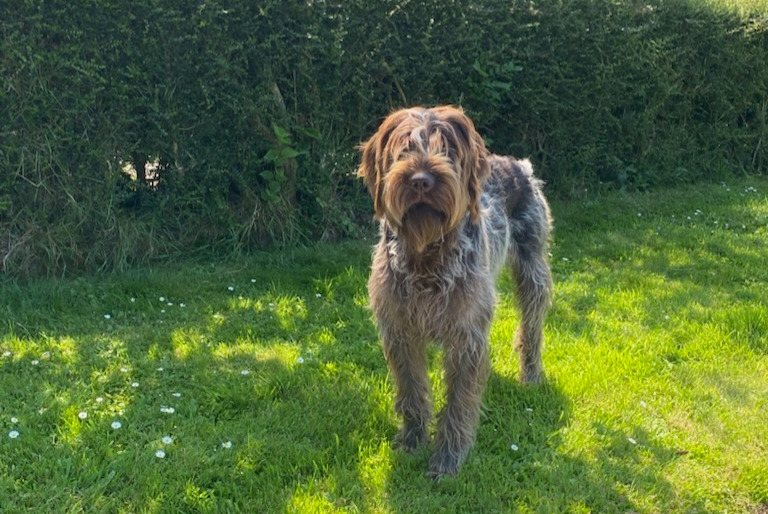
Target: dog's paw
{"points": [[444, 463], [409, 439], [532, 380], [532, 376]]}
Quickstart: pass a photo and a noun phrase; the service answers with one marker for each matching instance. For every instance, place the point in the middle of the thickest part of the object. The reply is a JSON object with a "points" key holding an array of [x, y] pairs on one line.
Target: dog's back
{"points": [[513, 183]]}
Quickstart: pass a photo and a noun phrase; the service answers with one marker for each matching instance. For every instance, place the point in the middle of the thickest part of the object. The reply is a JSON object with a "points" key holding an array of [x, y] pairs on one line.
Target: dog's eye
{"points": [[414, 147]]}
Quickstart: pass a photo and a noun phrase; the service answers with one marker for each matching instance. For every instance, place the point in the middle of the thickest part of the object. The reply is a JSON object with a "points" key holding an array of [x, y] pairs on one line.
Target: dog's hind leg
{"points": [[530, 268], [529, 262]]}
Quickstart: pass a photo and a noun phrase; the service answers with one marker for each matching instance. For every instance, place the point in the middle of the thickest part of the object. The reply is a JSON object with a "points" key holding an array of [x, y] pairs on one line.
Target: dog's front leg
{"points": [[466, 374], [407, 361]]}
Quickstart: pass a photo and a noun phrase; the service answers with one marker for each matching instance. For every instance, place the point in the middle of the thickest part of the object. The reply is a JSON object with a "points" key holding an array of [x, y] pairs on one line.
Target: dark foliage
{"points": [[136, 130]]}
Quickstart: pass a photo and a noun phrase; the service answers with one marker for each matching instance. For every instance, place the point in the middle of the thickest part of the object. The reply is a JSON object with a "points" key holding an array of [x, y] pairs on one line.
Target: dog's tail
{"points": [[513, 181]]}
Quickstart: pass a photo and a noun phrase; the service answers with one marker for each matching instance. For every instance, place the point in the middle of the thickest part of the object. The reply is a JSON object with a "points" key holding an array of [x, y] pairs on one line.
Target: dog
{"points": [[450, 214]]}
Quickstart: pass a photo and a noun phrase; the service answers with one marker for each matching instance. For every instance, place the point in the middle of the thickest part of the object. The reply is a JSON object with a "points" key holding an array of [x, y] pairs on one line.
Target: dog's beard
{"points": [[422, 226]]}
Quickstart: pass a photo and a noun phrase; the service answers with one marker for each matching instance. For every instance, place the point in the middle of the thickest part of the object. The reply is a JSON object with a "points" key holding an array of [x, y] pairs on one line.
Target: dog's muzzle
{"points": [[421, 182]]}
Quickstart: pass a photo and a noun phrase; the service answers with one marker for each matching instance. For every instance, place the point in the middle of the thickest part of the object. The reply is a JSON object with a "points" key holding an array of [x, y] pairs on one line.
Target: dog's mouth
{"points": [[424, 212]]}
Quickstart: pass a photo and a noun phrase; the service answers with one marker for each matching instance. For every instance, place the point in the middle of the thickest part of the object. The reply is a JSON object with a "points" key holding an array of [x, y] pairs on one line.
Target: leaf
{"points": [[478, 68], [271, 155], [289, 153], [311, 133], [504, 86], [283, 136], [511, 66]]}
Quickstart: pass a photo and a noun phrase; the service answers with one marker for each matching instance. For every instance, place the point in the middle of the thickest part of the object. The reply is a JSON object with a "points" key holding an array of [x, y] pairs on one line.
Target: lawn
{"points": [[257, 384]]}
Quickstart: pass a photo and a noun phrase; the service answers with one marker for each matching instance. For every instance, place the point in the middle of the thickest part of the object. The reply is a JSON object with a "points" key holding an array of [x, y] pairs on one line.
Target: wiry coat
{"points": [[434, 270]]}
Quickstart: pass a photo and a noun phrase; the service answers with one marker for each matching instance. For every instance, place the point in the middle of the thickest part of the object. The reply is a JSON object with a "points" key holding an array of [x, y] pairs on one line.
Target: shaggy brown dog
{"points": [[450, 215]]}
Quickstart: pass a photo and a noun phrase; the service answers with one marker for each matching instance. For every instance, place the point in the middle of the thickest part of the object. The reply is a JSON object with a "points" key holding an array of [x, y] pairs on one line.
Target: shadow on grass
{"points": [[286, 367], [684, 264], [288, 370], [518, 464]]}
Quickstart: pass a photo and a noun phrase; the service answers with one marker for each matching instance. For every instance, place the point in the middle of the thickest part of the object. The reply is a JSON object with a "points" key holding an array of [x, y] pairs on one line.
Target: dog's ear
{"points": [[472, 155], [376, 157], [370, 172]]}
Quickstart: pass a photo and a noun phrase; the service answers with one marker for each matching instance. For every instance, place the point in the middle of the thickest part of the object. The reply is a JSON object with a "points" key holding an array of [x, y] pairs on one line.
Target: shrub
{"points": [[132, 131]]}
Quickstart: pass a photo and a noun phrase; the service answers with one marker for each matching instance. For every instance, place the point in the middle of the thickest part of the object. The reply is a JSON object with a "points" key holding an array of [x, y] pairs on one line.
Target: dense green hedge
{"points": [[133, 130]]}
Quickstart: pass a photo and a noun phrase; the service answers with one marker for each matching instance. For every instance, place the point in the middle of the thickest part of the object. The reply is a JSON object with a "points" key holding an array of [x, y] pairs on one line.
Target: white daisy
{"points": [[226, 445], [167, 439], [116, 425], [160, 454], [82, 415], [13, 434]]}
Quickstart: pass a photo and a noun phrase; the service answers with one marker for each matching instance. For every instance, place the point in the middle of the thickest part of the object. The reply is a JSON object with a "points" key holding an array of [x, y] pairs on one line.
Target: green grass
{"points": [[657, 399], [744, 7]]}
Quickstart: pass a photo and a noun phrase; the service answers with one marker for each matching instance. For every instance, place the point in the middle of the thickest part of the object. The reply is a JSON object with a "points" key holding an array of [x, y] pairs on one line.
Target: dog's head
{"points": [[425, 170]]}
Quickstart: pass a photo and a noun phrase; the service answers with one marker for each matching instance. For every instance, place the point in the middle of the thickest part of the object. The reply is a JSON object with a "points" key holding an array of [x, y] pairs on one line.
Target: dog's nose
{"points": [[422, 182]]}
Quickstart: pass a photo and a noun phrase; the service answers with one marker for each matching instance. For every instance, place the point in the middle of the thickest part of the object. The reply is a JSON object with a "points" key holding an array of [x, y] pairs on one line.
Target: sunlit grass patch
{"points": [[258, 385]]}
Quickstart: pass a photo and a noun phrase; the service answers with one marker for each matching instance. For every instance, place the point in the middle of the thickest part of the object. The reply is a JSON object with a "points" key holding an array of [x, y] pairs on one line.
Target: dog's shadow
{"points": [[520, 462]]}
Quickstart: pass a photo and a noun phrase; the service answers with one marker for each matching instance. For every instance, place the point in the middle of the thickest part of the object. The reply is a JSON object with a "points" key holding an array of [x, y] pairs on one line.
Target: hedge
{"points": [[131, 131]]}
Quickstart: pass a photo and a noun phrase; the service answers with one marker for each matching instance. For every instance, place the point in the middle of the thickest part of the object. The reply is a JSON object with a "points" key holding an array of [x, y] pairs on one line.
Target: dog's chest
{"points": [[429, 303], [433, 294]]}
